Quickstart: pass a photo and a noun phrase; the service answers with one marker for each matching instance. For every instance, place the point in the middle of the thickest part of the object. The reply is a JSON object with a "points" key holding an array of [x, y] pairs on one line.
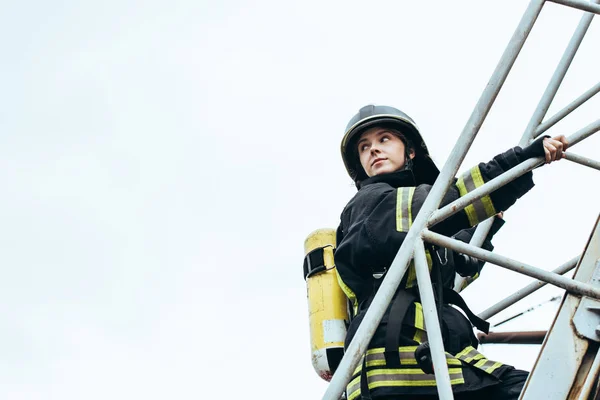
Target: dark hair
{"points": [[358, 172]]}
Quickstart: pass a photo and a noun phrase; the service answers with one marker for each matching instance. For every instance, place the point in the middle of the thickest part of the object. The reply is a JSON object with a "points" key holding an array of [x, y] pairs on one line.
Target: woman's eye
{"points": [[385, 139]]}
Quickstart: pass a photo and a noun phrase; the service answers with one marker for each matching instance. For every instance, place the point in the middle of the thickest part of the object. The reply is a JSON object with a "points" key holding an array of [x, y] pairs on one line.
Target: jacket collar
{"points": [[396, 179]]}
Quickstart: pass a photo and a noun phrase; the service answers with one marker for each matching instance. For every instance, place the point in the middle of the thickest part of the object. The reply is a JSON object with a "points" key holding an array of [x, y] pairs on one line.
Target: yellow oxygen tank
{"points": [[327, 303]]}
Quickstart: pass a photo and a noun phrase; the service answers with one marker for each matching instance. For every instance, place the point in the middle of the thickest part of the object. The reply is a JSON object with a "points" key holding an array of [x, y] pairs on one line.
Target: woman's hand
{"points": [[554, 148]]}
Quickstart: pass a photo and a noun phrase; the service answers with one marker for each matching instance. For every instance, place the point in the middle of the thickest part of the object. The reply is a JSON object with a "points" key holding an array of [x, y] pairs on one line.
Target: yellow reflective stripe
{"points": [[408, 377], [488, 206], [478, 360], [480, 209], [353, 388], [467, 350], [349, 293], [376, 357], [476, 357], [494, 367], [354, 394], [420, 336], [419, 317], [404, 208], [411, 280]]}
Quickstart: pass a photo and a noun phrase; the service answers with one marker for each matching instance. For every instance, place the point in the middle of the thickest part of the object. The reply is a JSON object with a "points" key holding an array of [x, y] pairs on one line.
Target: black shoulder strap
{"points": [[400, 305]]}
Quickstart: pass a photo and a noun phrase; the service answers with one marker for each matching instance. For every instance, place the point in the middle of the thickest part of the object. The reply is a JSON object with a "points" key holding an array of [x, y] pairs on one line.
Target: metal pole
{"points": [[504, 178], [557, 78], [584, 133], [588, 162], [434, 333], [582, 5], [526, 291], [527, 337], [570, 285], [390, 283], [550, 122]]}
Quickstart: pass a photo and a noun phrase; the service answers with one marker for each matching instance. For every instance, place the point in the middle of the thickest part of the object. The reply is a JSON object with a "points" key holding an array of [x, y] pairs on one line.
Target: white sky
{"points": [[162, 164]]}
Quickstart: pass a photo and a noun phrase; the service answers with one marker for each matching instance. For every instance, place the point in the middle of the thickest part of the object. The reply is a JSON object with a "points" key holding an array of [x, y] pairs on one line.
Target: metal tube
{"points": [[570, 285], [588, 162], [505, 178], [557, 78], [579, 4], [550, 122], [591, 379], [434, 332], [584, 133], [527, 337], [526, 291], [399, 265]]}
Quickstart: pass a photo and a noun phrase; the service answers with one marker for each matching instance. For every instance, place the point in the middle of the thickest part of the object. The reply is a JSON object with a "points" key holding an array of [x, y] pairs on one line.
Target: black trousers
{"points": [[508, 389]]}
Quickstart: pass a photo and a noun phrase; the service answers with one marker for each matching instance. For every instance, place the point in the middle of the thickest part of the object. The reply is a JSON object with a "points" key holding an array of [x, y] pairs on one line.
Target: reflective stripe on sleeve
{"points": [[480, 209], [488, 365], [478, 360], [404, 208], [349, 293]]}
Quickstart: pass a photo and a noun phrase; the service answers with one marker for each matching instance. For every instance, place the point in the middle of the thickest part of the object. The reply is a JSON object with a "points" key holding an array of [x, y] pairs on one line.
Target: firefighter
{"points": [[387, 158]]}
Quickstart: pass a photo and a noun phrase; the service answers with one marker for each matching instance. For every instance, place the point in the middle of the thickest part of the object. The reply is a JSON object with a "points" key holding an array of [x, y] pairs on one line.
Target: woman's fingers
{"points": [[549, 150], [554, 148]]}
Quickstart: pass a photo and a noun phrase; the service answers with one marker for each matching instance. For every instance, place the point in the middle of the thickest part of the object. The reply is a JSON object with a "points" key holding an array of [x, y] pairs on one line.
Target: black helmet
{"points": [[424, 169]]}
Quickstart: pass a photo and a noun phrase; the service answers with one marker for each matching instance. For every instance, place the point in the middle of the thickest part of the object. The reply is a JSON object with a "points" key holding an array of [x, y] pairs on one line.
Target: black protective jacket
{"points": [[373, 226]]}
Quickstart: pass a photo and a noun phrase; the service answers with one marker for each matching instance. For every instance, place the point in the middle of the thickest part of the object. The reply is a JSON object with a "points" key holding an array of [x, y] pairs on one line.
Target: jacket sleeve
{"points": [[489, 205]]}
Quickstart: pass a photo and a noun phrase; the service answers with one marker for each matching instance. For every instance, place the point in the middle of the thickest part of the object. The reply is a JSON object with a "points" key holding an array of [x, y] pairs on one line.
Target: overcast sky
{"points": [[163, 162]]}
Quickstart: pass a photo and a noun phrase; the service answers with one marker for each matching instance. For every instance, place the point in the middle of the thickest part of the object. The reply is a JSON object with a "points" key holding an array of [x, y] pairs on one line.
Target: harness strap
{"points": [[451, 297], [400, 305]]}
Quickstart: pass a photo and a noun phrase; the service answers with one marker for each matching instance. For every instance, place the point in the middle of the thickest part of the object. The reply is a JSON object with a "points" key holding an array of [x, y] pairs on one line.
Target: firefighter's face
{"points": [[381, 152]]}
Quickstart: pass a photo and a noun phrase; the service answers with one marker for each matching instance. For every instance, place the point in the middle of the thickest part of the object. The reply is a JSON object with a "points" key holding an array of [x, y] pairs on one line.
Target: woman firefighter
{"points": [[385, 155]]}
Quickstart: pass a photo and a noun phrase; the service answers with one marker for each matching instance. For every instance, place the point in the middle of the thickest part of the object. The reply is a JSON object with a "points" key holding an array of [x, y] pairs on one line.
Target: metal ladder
{"points": [[574, 323]]}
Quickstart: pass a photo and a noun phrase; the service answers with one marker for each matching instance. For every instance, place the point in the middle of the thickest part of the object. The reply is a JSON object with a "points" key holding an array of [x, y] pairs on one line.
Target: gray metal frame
{"points": [[430, 214]]}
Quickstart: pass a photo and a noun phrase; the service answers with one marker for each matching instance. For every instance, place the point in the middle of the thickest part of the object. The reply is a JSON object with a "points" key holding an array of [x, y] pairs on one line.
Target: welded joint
{"points": [[587, 319]]}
